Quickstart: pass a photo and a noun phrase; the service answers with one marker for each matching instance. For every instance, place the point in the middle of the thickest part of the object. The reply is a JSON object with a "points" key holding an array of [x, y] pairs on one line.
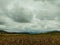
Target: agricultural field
{"points": [[30, 39]]}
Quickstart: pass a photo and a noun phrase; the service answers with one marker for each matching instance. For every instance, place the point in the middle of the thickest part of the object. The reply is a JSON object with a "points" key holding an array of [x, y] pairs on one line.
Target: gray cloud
{"points": [[33, 16]]}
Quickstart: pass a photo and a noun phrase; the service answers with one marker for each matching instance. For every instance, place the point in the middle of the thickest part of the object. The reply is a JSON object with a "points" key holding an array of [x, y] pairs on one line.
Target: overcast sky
{"points": [[29, 15]]}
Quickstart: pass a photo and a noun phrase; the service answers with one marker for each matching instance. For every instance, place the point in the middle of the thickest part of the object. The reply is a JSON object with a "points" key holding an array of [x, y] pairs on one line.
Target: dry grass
{"points": [[29, 39]]}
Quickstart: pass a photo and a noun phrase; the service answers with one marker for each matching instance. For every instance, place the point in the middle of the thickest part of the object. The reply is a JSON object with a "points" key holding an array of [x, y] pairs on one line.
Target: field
{"points": [[30, 39]]}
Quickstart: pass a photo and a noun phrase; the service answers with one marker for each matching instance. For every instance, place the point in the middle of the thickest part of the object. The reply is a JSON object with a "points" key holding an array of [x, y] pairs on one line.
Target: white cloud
{"points": [[29, 15]]}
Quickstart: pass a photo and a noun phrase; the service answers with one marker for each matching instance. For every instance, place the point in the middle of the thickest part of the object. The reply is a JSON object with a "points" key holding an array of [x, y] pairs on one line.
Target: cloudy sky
{"points": [[34, 16]]}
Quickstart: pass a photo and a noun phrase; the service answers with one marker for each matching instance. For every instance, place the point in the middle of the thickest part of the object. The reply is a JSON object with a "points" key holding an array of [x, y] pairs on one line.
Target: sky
{"points": [[36, 16]]}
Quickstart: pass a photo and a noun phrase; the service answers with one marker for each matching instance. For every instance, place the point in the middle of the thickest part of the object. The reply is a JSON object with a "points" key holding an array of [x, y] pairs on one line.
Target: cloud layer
{"points": [[34, 16]]}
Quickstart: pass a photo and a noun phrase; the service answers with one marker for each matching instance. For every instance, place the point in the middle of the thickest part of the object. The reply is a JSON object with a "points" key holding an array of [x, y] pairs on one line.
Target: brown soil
{"points": [[29, 39]]}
